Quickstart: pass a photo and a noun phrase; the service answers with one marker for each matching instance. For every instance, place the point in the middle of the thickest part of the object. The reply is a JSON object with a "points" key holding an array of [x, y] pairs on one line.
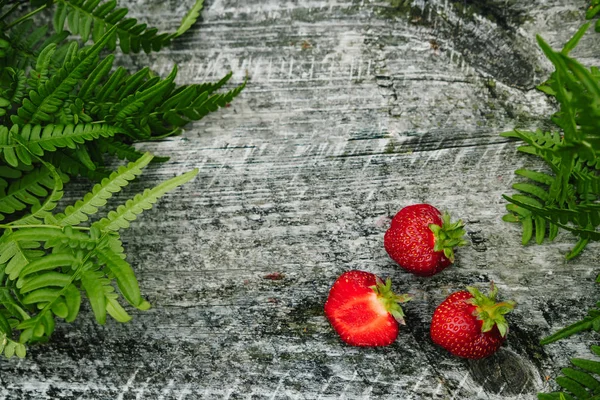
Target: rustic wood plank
{"points": [[353, 110]]}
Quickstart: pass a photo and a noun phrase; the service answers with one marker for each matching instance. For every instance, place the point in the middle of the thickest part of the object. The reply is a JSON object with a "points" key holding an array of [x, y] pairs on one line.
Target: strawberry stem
{"points": [[390, 300], [448, 236], [490, 312]]}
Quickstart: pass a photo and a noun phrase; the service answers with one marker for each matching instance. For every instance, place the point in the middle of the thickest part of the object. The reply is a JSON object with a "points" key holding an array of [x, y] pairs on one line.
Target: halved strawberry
{"points": [[363, 310]]}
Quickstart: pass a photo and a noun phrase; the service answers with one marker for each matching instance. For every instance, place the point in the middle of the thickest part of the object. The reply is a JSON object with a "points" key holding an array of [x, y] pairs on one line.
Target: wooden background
{"points": [[353, 110]]}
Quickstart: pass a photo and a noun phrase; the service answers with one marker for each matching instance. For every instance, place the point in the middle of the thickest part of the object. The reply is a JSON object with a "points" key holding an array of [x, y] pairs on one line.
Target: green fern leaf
{"points": [[536, 176], [39, 139], [15, 91], [124, 151], [126, 280], [572, 43], [577, 383], [133, 83], [10, 305], [92, 19], [573, 387], [26, 191], [110, 88], [59, 308], [582, 378], [101, 192], [5, 325], [146, 98], [95, 77], [93, 283], [534, 190], [40, 105], [69, 164], [187, 106], [44, 280], [19, 257], [48, 262], [72, 298], [190, 18], [39, 75], [42, 296], [128, 212], [41, 211], [115, 310]]}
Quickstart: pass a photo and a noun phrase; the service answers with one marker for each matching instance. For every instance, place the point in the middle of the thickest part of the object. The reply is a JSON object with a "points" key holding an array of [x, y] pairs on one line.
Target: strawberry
{"points": [[421, 240], [363, 310], [469, 324]]}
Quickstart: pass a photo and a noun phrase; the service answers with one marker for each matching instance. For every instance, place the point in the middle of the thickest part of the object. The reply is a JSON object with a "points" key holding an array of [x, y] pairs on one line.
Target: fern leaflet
{"points": [[101, 192], [124, 214]]}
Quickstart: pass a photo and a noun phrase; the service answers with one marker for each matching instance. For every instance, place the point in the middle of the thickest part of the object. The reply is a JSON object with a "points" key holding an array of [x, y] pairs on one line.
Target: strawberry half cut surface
{"points": [[470, 324], [363, 310], [422, 240]]}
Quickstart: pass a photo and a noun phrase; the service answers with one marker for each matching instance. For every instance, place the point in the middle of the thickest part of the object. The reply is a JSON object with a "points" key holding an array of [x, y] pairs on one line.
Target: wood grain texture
{"points": [[353, 110]]}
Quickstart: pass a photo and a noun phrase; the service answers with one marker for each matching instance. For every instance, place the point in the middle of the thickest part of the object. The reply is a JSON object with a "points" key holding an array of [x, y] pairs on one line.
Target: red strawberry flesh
{"points": [[360, 314]]}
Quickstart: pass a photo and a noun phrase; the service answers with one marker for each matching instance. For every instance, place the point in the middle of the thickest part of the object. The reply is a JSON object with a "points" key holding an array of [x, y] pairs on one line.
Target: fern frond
{"points": [[14, 91], [17, 255], [124, 214], [90, 19], [39, 139], [11, 348], [49, 262], [192, 104], [42, 104], [115, 310], [26, 192], [590, 322], [542, 144], [41, 211], [568, 199], [39, 75], [38, 327], [94, 283], [62, 110], [96, 76], [109, 89], [25, 42], [124, 275], [190, 18], [101, 192], [71, 165], [147, 98], [124, 151], [54, 279], [580, 382]]}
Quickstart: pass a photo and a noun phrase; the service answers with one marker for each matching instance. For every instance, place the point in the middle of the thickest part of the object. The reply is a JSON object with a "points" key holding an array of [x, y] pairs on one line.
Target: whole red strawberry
{"points": [[469, 324], [421, 240], [363, 310]]}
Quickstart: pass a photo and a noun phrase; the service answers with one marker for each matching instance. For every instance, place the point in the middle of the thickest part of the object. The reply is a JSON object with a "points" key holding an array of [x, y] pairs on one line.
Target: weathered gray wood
{"points": [[353, 110]]}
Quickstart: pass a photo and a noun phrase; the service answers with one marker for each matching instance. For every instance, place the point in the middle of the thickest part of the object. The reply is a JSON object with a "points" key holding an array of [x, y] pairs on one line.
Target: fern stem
{"points": [[27, 16]]}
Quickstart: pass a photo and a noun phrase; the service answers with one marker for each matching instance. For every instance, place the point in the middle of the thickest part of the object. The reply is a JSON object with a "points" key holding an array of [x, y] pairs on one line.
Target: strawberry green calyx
{"points": [[448, 236], [489, 311], [390, 300]]}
